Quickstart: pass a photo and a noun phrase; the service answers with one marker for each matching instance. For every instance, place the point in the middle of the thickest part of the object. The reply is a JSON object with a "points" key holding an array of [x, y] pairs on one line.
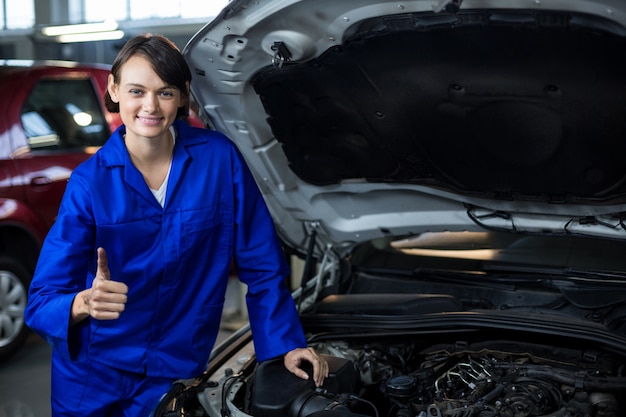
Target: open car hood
{"points": [[362, 119]]}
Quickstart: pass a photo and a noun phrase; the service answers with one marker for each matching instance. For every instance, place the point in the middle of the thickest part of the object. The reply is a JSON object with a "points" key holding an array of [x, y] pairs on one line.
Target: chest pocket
{"points": [[207, 229], [127, 242]]}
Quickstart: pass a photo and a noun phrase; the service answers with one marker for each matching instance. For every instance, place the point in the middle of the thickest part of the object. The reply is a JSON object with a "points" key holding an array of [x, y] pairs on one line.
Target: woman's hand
{"points": [[294, 359], [105, 300]]}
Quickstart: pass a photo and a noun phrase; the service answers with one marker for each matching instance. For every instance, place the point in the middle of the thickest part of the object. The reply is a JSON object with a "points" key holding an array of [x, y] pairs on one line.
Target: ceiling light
{"points": [[106, 26], [90, 37]]}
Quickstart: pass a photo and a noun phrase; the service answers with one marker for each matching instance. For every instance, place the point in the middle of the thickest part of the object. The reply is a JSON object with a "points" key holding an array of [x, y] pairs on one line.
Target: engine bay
{"points": [[396, 379]]}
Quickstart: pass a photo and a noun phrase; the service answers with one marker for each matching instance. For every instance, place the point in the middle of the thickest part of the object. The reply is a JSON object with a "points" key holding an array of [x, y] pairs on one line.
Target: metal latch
{"points": [[281, 54]]}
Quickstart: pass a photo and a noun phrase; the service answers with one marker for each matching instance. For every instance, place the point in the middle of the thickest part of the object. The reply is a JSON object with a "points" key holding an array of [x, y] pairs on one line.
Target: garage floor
{"points": [[25, 381]]}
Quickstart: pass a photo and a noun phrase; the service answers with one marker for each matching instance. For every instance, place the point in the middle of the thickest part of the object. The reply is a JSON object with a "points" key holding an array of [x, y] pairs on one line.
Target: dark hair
{"points": [[166, 61]]}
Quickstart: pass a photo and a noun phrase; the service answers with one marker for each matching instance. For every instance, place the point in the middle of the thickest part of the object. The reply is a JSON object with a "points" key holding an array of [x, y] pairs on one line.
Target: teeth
{"points": [[149, 119]]}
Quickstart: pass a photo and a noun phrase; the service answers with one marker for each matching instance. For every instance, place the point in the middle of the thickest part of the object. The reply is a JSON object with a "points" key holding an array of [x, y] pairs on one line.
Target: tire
{"points": [[14, 281]]}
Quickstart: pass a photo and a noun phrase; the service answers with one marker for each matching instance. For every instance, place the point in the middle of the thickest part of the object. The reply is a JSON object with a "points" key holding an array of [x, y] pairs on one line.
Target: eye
{"points": [[168, 93], [134, 91]]}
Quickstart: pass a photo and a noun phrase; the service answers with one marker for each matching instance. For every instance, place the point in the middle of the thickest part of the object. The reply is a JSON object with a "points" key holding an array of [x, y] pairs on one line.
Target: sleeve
{"points": [[261, 264], [63, 269]]}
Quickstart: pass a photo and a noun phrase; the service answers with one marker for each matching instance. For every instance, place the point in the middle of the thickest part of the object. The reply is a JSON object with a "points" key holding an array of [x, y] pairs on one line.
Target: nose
{"points": [[150, 102]]}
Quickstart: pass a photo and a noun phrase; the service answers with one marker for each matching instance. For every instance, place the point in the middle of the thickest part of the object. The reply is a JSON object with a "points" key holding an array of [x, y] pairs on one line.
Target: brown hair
{"points": [[166, 61]]}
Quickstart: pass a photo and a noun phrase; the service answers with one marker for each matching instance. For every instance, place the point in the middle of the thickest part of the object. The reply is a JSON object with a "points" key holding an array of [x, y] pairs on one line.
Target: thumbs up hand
{"points": [[105, 300]]}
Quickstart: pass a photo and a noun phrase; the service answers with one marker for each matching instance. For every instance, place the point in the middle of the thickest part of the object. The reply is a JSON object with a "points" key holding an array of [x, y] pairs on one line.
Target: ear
{"points": [[113, 88], [185, 96]]}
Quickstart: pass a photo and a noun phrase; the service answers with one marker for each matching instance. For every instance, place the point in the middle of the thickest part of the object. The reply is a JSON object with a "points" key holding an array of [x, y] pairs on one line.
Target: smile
{"points": [[150, 120]]}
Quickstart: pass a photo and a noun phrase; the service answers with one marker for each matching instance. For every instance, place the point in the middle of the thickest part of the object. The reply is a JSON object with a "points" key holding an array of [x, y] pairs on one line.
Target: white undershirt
{"points": [[160, 193]]}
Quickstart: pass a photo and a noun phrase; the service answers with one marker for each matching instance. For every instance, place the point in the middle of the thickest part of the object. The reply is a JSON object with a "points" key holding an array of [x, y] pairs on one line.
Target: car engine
{"points": [[456, 380]]}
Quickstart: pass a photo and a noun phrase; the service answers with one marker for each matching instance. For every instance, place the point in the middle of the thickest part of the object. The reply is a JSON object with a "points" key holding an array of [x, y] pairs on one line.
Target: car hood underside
{"points": [[525, 110], [359, 113]]}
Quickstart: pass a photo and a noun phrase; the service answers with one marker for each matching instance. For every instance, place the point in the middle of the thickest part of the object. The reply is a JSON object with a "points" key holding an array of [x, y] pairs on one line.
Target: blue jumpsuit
{"points": [[175, 260]]}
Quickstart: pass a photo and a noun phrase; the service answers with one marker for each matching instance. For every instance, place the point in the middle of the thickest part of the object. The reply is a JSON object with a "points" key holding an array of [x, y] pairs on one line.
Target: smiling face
{"points": [[147, 104]]}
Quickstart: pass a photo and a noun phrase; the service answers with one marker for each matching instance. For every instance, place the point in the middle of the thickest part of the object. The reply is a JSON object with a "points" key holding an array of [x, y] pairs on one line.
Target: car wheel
{"points": [[14, 281]]}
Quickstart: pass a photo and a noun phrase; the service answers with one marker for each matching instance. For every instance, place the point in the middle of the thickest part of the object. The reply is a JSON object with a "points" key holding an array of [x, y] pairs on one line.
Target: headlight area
{"points": [[408, 378], [213, 392]]}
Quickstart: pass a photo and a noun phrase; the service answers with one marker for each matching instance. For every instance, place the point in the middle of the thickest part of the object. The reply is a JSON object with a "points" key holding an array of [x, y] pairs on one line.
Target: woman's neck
{"points": [[151, 156]]}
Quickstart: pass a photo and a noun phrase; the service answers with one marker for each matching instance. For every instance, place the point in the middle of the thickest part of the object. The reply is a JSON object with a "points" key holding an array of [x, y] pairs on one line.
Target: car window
{"points": [[63, 114]]}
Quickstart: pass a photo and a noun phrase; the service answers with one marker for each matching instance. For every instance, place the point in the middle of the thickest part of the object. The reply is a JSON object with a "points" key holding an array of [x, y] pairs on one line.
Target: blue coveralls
{"points": [[175, 260]]}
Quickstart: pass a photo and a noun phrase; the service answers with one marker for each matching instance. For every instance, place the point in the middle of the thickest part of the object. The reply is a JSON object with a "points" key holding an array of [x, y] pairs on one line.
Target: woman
{"points": [[131, 280]]}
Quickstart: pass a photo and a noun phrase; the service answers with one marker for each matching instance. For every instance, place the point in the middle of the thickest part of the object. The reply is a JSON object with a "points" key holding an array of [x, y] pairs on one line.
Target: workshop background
{"points": [[26, 23], [87, 31]]}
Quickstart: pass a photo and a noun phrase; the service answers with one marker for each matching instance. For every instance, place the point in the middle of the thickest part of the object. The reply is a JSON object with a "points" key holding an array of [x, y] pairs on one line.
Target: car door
{"points": [[63, 124]]}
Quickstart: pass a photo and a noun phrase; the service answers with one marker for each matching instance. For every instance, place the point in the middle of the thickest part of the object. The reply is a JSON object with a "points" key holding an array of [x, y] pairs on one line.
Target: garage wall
{"points": [[29, 44]]}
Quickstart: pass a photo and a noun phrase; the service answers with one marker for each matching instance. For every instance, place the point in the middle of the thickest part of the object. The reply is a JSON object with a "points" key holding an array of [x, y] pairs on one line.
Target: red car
{"points": [[52, 117]]}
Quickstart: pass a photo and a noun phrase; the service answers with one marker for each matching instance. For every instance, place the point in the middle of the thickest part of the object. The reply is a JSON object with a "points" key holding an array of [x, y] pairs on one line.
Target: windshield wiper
{"points": [[579, 274], [454, 277]]}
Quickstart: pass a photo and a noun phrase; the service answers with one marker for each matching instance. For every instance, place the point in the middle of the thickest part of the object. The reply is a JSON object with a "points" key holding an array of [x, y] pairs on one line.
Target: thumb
{"points": [[103, 265]]}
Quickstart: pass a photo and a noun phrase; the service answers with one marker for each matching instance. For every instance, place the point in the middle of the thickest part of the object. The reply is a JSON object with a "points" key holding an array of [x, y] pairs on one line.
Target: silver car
{"points": [[452, 175]]}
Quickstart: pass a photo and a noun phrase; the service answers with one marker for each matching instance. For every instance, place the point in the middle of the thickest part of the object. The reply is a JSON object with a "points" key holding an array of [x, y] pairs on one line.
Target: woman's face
{"points": [[148, 106]]}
